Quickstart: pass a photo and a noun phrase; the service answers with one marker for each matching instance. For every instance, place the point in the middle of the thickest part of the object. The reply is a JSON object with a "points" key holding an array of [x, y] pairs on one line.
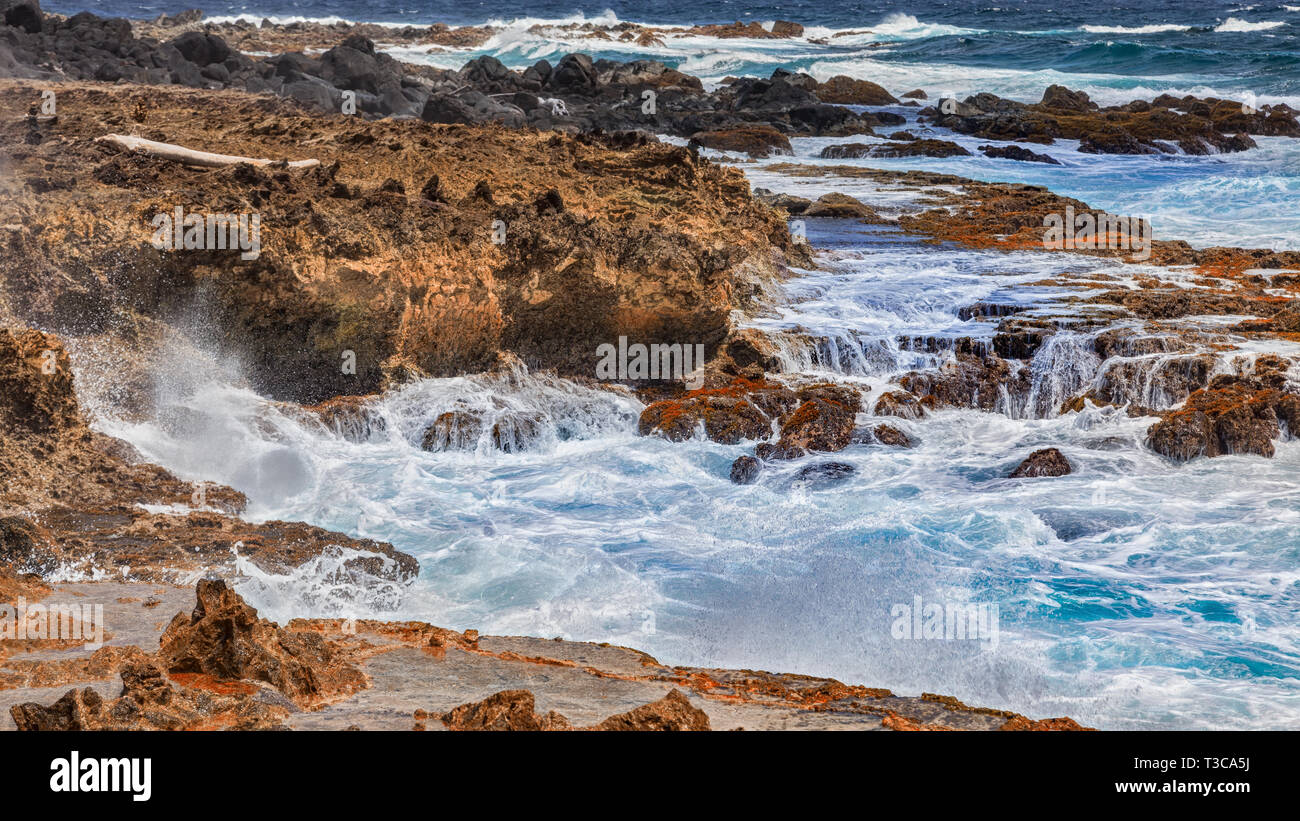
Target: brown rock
{"points": [[848, 91], [892, 436], [508, 710], [673, 712], [223, 637], [149, 701], [453, 430], [841, 206], [756, 141], [820, 424], [902, 404], [1046, 462]]}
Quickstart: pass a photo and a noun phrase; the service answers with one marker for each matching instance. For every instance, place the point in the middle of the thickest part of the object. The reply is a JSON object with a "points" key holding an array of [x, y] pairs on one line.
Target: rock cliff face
{"points": [[412, 249]]}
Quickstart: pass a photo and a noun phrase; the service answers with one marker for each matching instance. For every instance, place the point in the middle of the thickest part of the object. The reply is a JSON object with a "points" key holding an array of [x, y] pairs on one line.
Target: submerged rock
{"points": [[914, 148], [825, 473], [1046, 462]]}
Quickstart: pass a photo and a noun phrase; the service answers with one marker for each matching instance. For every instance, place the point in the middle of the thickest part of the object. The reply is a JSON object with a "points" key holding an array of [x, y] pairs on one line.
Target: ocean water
{"points": [[1134, 593]]}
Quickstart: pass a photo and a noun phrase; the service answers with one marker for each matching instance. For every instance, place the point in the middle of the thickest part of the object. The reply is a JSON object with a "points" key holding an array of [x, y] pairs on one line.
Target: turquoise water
{"points": [[1132, 593]]}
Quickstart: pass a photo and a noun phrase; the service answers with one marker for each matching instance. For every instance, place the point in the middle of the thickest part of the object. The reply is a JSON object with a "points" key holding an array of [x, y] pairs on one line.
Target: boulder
{"points": [[844, 90], [745, 470], [1046, 462]]}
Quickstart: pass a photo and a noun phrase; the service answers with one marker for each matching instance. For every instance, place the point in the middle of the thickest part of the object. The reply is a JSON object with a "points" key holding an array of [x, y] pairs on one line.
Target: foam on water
{"points": [[1132, 593]]}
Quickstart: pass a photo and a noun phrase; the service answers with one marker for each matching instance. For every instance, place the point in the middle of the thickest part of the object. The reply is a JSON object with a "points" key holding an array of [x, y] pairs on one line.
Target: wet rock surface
{"points": [[1045, 462], [417, 676]]}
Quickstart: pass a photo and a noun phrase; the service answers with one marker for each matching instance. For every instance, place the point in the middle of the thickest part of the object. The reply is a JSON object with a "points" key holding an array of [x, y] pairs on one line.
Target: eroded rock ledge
{"points": [[222, 667], [418, 248]]}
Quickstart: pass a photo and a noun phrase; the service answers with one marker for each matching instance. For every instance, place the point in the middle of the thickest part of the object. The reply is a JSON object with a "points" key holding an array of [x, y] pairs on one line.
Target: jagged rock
{"points": [[1046, 462], [673, 712], [1233, 415], [149, 701], [36, 391], [508, 710], [223, 637]]}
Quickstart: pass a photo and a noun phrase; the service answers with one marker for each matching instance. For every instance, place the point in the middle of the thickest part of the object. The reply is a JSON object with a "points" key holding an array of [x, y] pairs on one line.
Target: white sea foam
{"points": [[1235, 24]]}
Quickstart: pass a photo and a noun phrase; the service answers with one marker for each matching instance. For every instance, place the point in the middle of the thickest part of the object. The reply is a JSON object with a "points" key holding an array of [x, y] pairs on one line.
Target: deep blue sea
{"points": [[1158, 44], [1133, 593]]}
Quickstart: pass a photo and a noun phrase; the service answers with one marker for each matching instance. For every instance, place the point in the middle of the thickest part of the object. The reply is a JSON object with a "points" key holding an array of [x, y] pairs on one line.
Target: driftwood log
{"points": [[188, 156]]}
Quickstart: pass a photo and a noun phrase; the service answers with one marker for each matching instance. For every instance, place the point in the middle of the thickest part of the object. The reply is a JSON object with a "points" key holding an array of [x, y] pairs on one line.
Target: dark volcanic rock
{"points": [[915, 148], [1015, 152], [1046, 462], [745, 470]]}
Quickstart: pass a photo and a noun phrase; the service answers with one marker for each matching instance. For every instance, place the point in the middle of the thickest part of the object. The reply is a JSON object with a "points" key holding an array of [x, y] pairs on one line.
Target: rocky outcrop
{"points": [[674, 712], [850, 91], [509, 710], [150, 701], [536, 245], [76, 499], [1164, 126], [1232, 415], [223, 637]]}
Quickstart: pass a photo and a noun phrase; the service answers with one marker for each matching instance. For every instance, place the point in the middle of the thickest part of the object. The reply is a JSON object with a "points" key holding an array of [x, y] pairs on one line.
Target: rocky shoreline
{"points": [[386, 249]]}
